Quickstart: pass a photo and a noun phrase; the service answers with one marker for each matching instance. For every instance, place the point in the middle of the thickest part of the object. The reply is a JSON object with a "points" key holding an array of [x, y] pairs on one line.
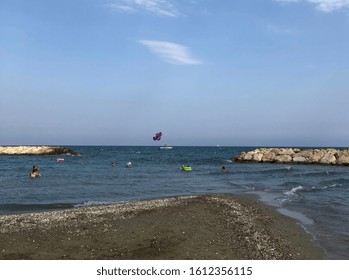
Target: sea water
{"points": [[316, 196]]}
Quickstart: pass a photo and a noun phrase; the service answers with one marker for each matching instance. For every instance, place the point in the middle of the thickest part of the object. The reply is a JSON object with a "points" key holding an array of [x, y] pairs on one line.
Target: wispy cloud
{"points": [[323, 5], [170, 52], [157, 7]]}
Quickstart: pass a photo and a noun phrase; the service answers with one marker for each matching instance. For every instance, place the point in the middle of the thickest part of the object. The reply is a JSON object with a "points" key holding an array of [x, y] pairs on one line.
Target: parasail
{"points": [[157, 136]]}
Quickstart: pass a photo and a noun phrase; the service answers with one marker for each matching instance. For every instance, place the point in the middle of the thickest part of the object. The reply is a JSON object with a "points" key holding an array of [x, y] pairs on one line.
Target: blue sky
{"points": [[115, 72]]}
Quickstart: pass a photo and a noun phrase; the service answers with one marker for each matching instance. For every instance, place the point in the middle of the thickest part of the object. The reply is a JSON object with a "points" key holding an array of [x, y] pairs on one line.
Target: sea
{"points": [[316, 196]]}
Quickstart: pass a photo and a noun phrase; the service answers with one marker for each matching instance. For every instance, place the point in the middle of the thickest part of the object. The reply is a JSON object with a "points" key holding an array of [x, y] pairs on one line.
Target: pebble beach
{"points": [[181, 228]]}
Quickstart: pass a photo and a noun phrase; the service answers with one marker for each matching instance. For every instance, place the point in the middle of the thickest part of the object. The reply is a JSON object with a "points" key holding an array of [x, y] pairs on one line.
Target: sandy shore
{"points": [[202, 227]]}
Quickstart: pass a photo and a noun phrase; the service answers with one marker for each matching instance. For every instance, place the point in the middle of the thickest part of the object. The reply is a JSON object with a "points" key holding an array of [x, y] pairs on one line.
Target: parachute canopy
{"points": [[157, 136]]}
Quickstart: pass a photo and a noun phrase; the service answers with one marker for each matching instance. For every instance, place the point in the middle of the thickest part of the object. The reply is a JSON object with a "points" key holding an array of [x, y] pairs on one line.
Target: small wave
{"points": [[26, 208], [94, 203], [249, 187], [305, 220], [285, 169], [294, 190], [331, 186], [324, 173], [246, 187], [291, 195], [232, 184], [290, 184], [316, 173], [337, 182]]}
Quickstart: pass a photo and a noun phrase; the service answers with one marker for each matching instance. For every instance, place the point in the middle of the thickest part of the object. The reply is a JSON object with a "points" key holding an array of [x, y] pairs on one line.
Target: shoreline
{"points": [[182, 228]]}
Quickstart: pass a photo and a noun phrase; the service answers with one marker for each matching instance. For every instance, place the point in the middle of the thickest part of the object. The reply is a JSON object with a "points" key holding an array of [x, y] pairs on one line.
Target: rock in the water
{"points": [[296, 155], [35, 150]]}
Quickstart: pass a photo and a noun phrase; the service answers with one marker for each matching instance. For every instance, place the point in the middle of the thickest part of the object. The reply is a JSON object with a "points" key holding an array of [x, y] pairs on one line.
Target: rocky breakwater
{"points": [[295, 155], [35, 150]]}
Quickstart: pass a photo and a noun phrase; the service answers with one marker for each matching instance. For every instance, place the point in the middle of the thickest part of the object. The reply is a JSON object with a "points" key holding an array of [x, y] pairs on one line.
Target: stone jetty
{"points": [[295, 155], [35, 150]]}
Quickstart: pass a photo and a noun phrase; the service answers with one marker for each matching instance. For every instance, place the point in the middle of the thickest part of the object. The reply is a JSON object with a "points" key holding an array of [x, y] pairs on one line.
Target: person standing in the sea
{"points": [[35, 172]]}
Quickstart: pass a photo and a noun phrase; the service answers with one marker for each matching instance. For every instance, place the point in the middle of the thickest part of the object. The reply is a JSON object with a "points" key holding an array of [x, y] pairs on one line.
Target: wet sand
{"points": [[196, 227]]}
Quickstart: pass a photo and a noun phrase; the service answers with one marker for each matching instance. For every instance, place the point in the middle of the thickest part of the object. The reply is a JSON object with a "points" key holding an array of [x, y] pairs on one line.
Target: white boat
{"points": [[166, 147]]}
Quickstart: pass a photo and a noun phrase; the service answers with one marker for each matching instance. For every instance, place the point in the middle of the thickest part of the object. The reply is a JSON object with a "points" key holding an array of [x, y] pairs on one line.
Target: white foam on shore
{"points": [[297, 216], [272, 200], [95, 203], [267, 198]]}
